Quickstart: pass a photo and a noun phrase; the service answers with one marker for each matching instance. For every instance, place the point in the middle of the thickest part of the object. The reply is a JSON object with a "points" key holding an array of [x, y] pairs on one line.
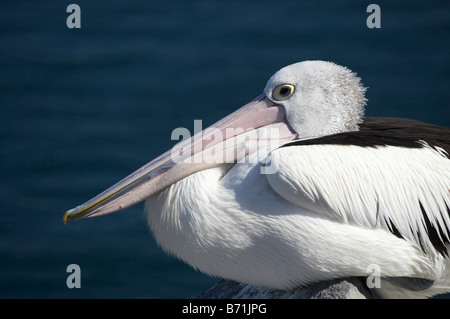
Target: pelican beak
{"points": [[227, 141]]}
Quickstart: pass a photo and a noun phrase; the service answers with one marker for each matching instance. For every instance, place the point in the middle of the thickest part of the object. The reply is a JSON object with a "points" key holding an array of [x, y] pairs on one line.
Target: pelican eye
{"points": [[283, 92]]}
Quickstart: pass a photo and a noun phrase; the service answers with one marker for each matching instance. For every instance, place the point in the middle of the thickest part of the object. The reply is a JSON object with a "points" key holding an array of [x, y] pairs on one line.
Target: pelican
{"points": [[298, 187]]}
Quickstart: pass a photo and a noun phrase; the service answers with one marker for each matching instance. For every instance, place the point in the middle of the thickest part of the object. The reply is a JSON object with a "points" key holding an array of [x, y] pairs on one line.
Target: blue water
{"points": [[82, 108]]}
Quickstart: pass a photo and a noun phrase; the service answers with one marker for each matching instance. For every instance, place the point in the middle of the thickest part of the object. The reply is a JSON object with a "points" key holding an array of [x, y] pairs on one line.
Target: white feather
{"points": [[372, 188], [368, 186], [225, 225]]}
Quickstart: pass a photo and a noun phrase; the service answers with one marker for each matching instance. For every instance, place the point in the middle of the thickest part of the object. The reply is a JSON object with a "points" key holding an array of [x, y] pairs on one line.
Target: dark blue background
{"points": [[82, 108]]}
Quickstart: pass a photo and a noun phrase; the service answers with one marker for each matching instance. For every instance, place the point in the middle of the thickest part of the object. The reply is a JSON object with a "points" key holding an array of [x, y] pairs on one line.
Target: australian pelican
{"points": [[298, 187]]}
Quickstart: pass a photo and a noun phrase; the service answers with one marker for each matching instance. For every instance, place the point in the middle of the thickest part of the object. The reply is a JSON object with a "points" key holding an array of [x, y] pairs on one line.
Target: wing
{"points": [[388, 175]]}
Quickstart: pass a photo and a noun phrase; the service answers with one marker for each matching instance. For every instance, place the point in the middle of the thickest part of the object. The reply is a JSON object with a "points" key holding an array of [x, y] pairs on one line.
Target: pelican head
{"points": [[302, 100], [320, 98]]}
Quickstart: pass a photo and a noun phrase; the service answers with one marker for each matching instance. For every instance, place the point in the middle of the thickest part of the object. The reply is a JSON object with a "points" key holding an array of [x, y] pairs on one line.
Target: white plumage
{"points": [[335, 202], [329, 221]]}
